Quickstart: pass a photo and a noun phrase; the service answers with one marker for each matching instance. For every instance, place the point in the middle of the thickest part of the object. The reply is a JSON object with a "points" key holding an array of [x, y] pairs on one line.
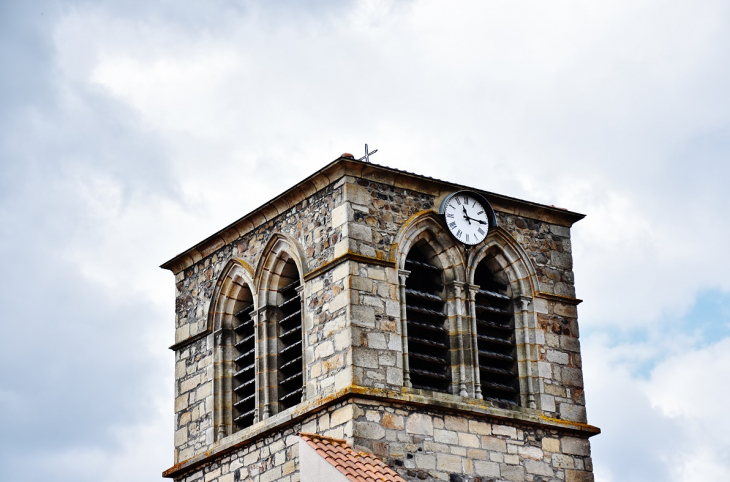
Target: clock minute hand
{"points": [[474, 219]]}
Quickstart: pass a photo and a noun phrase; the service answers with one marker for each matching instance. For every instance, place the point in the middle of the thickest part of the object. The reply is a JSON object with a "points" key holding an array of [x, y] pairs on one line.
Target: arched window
{"points": [[234, 352], [495, 334], [289, 337], [244, 358], [427, 331]]}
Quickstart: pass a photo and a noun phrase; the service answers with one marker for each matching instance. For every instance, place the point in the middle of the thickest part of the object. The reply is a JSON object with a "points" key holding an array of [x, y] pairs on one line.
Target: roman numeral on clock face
{"points": [[452, 225], [450, 215], [458, 234], [481, 231], [467, 238]]}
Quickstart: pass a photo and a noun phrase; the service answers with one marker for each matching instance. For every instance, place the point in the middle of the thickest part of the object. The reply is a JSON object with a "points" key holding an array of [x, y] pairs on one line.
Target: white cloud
{"points": [[168, 122], [667, 426]]}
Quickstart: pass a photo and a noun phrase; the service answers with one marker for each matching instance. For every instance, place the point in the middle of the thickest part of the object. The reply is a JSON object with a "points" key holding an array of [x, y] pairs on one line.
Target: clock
{"points": [[468, 216]]}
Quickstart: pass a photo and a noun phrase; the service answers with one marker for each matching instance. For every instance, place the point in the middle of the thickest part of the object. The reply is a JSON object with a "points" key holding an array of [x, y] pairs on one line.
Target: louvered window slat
{"points": [[428, 338], [495, 339], [290, 346], [245, 374]]}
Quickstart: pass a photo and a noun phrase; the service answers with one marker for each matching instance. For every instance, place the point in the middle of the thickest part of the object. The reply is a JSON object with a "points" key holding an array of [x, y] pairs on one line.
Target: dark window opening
{"points": [[244, 377], [290, 368], [495, 338], [428, 337]]}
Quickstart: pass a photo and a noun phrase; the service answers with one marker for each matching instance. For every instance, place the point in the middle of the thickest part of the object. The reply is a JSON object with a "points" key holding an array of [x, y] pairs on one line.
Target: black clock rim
{"points": [[485, 204]]}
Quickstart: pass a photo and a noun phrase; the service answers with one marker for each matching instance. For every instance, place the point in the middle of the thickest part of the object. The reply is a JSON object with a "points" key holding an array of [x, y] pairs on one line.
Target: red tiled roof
{"points": [[357, 466]]}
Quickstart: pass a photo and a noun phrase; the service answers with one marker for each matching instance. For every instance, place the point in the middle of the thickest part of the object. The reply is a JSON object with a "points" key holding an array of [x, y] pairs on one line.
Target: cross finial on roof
{"points": [[367, 154]]}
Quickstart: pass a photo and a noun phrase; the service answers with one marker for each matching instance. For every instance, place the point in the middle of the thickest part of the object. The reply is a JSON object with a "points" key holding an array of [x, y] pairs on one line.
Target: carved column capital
{"points": [[525, 302], [472, 290]]}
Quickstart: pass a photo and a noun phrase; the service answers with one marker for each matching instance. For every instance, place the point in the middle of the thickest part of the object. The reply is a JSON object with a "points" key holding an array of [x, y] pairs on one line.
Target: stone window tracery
{"points": [[494, 335]]}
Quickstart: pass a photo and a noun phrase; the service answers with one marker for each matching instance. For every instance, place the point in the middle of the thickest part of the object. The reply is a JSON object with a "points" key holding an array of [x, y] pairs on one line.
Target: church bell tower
{"points": [[374, 324]]}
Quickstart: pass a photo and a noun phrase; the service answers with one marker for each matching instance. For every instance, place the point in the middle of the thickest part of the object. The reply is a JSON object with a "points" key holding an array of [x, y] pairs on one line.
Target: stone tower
{"points": [[344, 316]]}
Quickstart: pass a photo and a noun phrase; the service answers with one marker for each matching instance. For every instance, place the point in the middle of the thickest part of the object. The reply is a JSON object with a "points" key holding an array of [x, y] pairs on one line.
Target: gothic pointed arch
{"points": [[229, 318], [280, 281], [511, 258], [270, 275], [502, 283], [432, 277], [427, 229]]}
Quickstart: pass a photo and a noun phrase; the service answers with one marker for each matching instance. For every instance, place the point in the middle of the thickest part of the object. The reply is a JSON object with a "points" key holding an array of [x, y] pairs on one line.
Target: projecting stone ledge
{"points": [[462, 406]]}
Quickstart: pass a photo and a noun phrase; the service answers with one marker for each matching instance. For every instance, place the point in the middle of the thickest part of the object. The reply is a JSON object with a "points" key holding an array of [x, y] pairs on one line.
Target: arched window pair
{"points": [[460, 322], [259, 343]]}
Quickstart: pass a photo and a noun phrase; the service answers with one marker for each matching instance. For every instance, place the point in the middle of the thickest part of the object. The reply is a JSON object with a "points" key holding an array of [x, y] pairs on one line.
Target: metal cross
{"points": [[367, 154]]}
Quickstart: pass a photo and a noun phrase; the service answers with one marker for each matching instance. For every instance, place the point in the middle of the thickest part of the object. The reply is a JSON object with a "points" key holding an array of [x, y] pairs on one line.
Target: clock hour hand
{"points": [[466, 216]]}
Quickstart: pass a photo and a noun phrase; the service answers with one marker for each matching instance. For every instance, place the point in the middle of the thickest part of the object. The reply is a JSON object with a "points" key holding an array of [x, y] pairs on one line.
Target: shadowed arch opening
{"points": [[234, 383], [428, 334], [431, 278], [290, 362], [281, 283], [504, 321], [495, 333]]}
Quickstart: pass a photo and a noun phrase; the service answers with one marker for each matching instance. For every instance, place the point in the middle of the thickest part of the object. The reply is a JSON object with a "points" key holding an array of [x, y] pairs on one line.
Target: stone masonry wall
{"points": [[310, 223], [421, 444], [275, 457], [427, 444], [376, 212], [352, 312]]}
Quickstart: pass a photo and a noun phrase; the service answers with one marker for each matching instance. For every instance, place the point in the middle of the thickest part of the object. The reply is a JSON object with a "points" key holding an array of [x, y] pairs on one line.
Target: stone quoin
{"points": [[344, 310]]}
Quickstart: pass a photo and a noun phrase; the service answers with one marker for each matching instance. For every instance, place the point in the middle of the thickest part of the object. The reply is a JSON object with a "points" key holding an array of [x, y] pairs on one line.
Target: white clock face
{"points": [[466, 218]]}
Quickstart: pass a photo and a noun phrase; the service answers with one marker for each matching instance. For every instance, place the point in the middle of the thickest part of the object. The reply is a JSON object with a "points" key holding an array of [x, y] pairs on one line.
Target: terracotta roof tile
{"points": [[356, 466]]}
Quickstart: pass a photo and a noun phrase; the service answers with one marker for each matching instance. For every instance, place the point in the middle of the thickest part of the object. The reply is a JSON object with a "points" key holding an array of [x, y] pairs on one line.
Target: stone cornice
{"points": [[448, 403], [558, 298], [340, 168], [190, 340]]}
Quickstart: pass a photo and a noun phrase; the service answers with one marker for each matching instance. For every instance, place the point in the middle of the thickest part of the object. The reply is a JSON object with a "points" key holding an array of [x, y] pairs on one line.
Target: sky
{"points": [[131, 130]]}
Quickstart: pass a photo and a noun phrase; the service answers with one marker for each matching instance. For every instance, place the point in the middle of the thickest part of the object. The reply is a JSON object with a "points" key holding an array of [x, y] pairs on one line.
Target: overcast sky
{"points": [[130, 130]]}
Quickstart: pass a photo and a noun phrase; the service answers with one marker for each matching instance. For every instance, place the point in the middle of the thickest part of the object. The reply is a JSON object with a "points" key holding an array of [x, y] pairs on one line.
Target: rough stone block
{"points": [[562, 461], [513, 473], [486, 469], [576, 446], [468, 440], [504, 430], [369, 430], [445, 436], [538, 467], [558, 357], [480, 428], [530, 452], [494, 444], [551, 444], [576, 413], [572, 376], [459, 424], [578, 476], [341, 415], [419, 424], [181, 436], [190, 384], [392, 421], [448, 463]]}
